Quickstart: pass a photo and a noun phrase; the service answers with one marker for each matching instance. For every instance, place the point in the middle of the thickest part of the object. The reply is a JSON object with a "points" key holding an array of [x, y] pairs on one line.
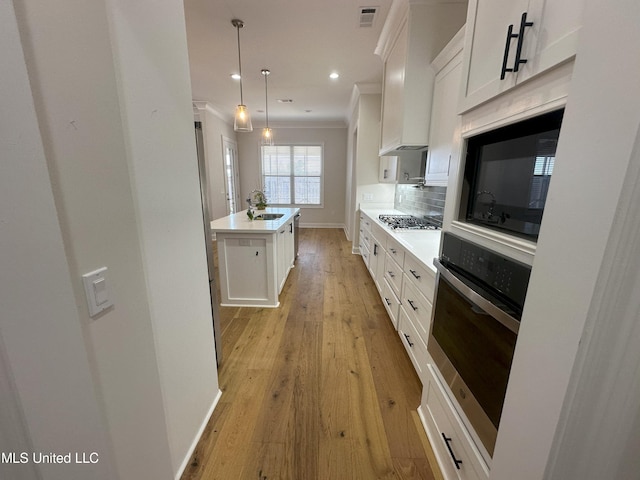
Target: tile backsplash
{"points": [[421, 202]]}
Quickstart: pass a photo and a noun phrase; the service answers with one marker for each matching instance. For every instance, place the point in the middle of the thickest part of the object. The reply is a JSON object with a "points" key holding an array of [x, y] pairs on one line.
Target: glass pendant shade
{"points": [[242, 121], [267, 136], [267, 133]]}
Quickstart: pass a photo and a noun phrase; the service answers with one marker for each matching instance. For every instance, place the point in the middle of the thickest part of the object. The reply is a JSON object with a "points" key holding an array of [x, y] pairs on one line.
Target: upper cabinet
{"points": [[444, 110], [412, 36], [510, 41]]}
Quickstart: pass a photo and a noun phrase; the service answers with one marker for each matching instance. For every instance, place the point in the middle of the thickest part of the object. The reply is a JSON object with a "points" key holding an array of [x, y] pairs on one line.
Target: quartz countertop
{"points": [[424, 245], [240, 223]]}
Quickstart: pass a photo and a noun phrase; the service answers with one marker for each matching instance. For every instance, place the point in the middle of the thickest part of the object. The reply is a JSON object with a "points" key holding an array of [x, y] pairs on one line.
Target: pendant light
{"points": [[267, 133], [242, 121]]}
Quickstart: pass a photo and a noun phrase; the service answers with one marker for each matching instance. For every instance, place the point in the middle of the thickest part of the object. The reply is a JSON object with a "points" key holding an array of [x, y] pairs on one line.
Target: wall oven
{"points": [[478, 305]]}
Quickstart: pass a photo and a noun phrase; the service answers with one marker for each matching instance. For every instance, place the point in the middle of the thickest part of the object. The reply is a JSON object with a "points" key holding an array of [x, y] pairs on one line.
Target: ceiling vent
{"points": [[367, 16], [284, 100]]}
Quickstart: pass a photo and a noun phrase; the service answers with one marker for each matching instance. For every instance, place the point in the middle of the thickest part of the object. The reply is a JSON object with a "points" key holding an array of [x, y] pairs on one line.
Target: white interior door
{"points": [[231, 175]]}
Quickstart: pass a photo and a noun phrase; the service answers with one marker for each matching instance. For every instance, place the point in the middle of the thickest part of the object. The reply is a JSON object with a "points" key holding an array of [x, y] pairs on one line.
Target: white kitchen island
{"points": [[254, 256]]}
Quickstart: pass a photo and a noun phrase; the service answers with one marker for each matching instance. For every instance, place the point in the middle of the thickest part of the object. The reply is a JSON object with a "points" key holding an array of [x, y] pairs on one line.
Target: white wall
{"points": [[364, 144], [49, 400], [335, 158], [113, 104], [150, 49]]}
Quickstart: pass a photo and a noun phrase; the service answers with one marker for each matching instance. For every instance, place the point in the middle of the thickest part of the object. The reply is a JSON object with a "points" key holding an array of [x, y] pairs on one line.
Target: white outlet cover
{"points": [[96, 288]]}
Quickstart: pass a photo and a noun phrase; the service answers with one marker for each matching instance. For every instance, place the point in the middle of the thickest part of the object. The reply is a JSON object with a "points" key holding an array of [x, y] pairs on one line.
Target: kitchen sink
{"points": [[268, 216]]}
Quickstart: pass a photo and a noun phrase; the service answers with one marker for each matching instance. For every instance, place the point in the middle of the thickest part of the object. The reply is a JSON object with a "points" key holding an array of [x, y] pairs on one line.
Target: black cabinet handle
{"points": [[387, 300], [505, 58], [375, 249], [408, 341], [453, 457], [412, 305], [413, 272], [520, 36], [291, 228], [391, 274], [519, 59]]}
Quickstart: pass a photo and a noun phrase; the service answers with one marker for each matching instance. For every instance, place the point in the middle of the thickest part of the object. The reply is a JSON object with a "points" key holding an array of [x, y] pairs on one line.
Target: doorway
{"points": [[231, 177]]}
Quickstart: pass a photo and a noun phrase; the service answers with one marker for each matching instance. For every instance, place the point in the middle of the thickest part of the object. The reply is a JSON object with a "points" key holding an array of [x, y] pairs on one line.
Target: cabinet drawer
{"points": [[378, 233], [395, 250], [448, 435], [413, 343], [366, 238], [391, 302], [393, 274], [417, 307], [365, 222], [364, 251], [422, 276]]}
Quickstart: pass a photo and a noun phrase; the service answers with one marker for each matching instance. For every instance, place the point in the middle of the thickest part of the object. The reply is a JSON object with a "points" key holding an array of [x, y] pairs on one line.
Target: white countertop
{"points": [[240, 223], [424, 245]]}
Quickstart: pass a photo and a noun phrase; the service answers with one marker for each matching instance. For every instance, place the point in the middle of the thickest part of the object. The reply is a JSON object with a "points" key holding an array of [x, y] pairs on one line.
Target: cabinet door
{"points": [[485, 41], [444, 117], [393, 92], [550, 40], [553, 37]]}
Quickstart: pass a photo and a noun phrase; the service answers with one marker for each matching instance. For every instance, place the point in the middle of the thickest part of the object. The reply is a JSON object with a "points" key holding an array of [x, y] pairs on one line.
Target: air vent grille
{"points": [[367, 16]]}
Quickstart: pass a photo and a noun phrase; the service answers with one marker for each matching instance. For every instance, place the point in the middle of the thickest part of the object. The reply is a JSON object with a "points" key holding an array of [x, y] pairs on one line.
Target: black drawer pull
{"points": [[505, 58], [412, 305], [413, 272], [391, 274], [387, 300], [408, 341], [393, 250], [523, 25], [453, 457]]}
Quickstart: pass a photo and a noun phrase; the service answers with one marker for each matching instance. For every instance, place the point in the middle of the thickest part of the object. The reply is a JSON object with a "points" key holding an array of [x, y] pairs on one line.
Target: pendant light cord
{"points": [[266, 73], [239, 24]]}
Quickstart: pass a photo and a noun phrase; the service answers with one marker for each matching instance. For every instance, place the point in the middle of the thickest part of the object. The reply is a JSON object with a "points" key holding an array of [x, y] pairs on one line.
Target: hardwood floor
{"points": [[319, 388]]}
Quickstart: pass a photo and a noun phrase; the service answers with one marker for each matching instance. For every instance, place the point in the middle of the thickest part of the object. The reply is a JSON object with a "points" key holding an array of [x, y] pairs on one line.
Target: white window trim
{"points": [[297, 144]]}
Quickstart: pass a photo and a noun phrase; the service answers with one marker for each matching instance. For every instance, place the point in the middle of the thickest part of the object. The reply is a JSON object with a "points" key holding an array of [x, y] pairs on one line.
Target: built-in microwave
{"points": [[507, 175]]}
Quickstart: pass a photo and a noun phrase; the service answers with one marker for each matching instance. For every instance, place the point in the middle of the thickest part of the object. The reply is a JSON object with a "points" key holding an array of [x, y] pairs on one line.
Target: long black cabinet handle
{"points": [[413, 272], [412, 305], [505, 58], [519, 59], [408, 341], [387, 300], [453, 457]]}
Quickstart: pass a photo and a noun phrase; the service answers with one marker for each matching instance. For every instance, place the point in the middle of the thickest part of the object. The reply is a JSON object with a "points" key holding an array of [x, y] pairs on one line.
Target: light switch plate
{"points": [[96, 288]]}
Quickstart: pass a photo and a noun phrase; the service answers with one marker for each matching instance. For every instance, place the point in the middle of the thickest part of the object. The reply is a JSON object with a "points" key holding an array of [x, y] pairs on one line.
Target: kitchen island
{"points": [[254, 256]]}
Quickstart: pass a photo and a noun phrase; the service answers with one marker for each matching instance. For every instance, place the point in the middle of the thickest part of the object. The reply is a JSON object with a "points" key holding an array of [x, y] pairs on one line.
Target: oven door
{"points": [[472, 342]]}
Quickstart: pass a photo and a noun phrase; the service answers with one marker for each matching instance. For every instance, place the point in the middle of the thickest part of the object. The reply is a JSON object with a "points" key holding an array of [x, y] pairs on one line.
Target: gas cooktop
{"points": [[409, 222]]}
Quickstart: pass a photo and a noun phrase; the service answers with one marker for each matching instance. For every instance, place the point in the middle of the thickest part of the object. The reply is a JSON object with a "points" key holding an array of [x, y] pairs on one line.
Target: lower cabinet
{"points": [[391, 302], [453, 446], [413, 343]]}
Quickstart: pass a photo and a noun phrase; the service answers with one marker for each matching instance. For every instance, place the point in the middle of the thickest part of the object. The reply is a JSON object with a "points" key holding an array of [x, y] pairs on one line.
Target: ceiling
{"points": [[300, 41]]}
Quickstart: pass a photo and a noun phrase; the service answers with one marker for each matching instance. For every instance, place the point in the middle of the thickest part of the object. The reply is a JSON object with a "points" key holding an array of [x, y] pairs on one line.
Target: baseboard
{"points": [[187, 457], [322, 225]]}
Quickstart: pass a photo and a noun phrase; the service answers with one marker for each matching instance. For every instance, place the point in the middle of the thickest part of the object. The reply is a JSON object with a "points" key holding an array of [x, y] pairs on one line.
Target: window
{"points": [[292, 174]]}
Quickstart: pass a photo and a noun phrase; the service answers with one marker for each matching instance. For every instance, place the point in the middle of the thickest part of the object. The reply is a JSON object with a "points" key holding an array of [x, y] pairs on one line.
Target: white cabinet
{"points": [[285, 247], [388, 171], [444, 110], [549, 41], [453, 446], [412, 36]]}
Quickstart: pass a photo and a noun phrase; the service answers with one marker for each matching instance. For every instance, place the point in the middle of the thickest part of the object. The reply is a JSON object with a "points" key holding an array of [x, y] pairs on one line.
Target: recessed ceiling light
{"points": [[235, 76], [334, 75]]}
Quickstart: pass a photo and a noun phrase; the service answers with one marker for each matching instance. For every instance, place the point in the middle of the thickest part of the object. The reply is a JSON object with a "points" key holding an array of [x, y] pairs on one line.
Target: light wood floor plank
{"points": [[319, 388]]}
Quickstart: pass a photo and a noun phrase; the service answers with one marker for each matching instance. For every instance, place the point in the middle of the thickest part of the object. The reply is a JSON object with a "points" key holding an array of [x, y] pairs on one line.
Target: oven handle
{"points": [[500, 315]]}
